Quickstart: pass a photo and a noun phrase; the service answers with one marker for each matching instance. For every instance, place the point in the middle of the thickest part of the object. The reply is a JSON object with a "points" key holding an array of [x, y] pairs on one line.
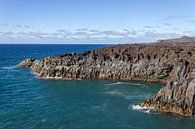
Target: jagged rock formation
{"points": [[173, 65], [124, 62], [27, 62], [179, 93]]}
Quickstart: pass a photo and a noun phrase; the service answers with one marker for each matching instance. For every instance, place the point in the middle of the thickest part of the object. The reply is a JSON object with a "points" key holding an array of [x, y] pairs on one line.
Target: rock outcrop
{"points": [[27, 62], [179, 93], [173, 65]]}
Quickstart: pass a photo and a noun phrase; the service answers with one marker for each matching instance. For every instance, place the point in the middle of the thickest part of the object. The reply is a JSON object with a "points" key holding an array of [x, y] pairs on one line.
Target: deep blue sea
{"points": [[28, 102]]}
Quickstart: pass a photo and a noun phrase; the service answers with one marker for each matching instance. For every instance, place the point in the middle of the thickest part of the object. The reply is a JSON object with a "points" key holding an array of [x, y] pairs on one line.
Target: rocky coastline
{"points": [[172, 65]]}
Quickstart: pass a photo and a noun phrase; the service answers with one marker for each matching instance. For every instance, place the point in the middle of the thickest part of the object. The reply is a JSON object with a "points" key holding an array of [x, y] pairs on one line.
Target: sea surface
{"points": [[29, 102]]}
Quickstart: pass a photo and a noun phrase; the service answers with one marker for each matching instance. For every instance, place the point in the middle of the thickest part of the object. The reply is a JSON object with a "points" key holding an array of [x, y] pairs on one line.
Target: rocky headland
{"points": [[164, 61]]}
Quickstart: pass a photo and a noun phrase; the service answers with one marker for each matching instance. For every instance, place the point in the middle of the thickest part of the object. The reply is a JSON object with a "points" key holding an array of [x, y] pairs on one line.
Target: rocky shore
{"points": [[172, 65]]}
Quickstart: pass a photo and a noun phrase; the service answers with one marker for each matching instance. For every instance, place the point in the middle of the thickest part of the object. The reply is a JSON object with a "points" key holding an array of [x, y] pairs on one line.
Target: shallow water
{"points": [[27, 102]]}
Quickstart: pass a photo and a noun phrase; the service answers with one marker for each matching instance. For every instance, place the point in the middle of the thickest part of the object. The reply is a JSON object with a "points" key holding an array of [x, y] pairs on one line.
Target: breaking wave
{"points": [[139, 108]]}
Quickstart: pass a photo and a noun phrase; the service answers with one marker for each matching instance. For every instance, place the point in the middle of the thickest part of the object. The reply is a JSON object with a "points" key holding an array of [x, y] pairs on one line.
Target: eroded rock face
{"points": [[172, 65], [179, 93], [125, 62]]}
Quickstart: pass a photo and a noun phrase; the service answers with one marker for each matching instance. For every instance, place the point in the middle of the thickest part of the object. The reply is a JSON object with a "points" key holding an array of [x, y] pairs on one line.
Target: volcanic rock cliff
{"points": [[173, 65]]}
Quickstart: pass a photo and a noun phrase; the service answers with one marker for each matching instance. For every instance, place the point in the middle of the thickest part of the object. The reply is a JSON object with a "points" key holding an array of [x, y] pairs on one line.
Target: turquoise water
{"points": [[27, 102]]}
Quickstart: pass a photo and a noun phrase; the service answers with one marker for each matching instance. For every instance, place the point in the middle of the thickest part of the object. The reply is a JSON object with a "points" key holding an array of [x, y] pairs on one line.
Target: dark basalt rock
{"points": [[173, 65], [179, 93], [27, 62]]}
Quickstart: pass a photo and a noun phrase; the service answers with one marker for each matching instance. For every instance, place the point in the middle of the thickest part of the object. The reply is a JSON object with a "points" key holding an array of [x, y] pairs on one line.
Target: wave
{"points": [[117, 83], [125, 83], [139, 108], [9, 67]]}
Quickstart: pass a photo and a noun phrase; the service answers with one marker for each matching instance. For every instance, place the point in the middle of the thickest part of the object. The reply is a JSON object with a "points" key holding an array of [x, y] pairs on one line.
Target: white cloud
{"points": [[85, 36]]}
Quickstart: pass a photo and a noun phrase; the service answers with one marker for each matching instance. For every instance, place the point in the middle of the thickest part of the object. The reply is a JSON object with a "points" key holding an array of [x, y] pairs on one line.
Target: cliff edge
{"points": [[172, 65]]}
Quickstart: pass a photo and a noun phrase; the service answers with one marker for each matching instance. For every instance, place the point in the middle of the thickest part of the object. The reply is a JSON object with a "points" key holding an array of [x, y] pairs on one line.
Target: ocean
{"points": [[29, 102]]}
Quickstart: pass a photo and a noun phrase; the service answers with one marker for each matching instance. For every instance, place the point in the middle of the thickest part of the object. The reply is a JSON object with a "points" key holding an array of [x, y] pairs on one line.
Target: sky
{"points": [[95, 21]]}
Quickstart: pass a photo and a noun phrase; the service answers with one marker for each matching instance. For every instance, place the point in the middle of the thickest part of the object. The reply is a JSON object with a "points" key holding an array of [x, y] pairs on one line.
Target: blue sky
{"points": [[95, 21]]}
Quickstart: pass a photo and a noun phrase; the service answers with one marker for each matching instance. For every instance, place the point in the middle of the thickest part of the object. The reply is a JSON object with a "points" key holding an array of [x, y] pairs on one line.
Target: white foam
{"points": [[114, 92], [117, 83], [34, 73], [124, 83], [9, 67], [147, 111], [137, 107], [53, 78], [142, 109]]}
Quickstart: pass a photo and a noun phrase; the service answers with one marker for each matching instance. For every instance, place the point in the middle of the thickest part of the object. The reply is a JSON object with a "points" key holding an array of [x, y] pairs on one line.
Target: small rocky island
{"points": [[171, 62]]}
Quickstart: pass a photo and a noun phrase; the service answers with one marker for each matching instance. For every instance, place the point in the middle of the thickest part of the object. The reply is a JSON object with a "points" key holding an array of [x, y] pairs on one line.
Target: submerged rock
{"points": [[173, 65]]}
